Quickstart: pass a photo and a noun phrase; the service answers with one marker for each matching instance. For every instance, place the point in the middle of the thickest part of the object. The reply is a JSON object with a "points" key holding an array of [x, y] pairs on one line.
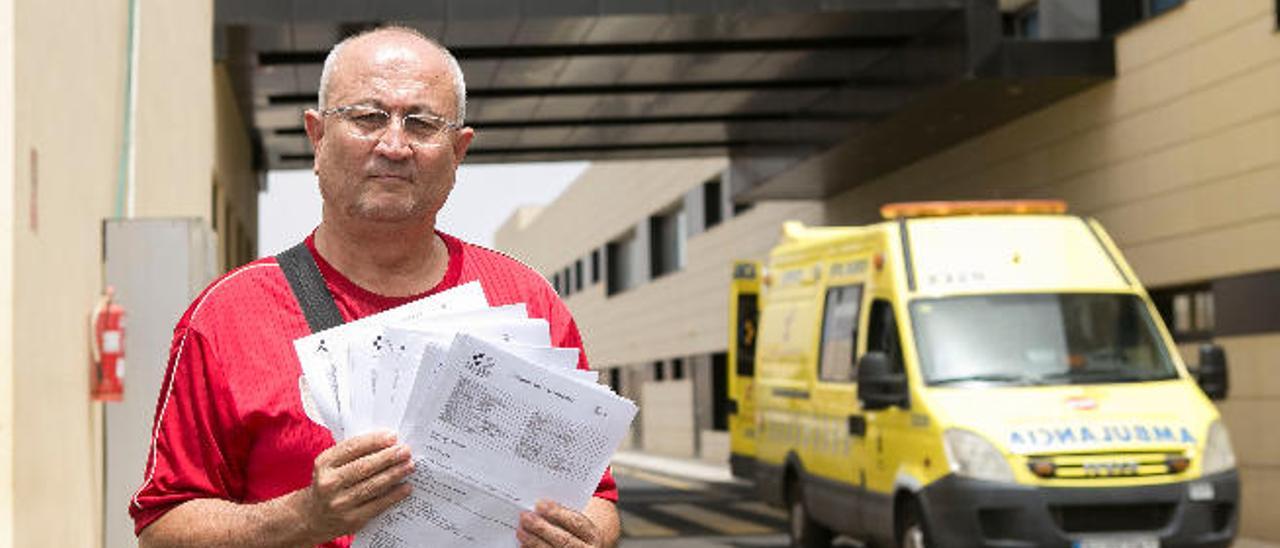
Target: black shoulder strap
{"points": [[308, 287]]}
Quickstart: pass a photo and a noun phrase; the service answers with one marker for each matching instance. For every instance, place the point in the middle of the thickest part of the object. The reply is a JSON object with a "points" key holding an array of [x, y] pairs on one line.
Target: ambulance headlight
{"points": [[972, 456], [1218, 456]]}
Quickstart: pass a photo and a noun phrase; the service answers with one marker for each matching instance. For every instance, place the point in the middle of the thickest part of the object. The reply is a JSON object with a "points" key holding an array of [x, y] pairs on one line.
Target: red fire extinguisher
{"points": [[108, 349]]}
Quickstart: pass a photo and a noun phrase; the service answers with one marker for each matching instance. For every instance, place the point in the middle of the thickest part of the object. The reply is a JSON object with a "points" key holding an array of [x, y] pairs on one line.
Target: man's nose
{"points": [[394, 142]]}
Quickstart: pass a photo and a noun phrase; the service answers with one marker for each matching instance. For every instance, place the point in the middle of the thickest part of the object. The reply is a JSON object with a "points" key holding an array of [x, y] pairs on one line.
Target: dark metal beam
{"points": [[642, 87], [586, 150], [728, 118], [689, 47]]}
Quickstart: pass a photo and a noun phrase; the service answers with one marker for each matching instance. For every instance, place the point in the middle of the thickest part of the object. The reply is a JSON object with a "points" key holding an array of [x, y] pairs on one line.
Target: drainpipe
{"points": [[125, 174]]}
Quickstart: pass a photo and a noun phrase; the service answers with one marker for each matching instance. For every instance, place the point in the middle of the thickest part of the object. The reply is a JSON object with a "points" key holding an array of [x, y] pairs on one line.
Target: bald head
{"points": [[402, 40]]}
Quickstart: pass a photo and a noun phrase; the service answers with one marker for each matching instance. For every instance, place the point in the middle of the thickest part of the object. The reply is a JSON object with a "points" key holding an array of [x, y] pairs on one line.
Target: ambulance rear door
{"points": [[744, 315]]}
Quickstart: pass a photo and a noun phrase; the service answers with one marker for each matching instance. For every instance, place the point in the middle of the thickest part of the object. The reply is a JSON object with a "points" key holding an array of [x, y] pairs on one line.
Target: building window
{"points": [[244, 247], [677, 369], [667, 234], [1024, 22], [213, 207], [595, 266], [659, 372], [619, 260], [566, 278], [615, 380], [712, 206], [1188, 311], [1118, 15], [1157, 7], [577, 275], [555, 282]]}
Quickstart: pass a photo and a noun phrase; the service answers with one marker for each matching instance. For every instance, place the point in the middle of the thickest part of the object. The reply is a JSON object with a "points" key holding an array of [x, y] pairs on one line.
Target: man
{"points": [[234, 461]]}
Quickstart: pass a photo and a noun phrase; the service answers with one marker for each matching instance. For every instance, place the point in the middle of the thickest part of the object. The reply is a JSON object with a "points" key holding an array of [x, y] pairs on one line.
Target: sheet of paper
{"points": [[529, 339], [385, 364], [519, 430], [398, 362], [371, 380], [323, 355], [443, 511], [466, 317]]}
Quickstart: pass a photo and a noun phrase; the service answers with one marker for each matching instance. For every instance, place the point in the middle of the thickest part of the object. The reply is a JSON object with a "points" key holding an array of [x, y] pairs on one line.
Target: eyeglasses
{"points": [[369, 123]]}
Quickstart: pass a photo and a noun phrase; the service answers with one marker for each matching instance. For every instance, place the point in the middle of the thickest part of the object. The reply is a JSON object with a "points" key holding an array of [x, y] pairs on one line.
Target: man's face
{"points": [[387, 178]]}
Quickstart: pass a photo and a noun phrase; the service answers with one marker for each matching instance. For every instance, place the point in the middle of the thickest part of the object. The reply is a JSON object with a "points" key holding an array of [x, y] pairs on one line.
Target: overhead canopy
{"points": [[767, 83]]}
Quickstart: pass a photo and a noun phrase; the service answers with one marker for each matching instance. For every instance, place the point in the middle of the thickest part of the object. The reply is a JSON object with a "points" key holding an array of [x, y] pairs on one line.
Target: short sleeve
{"points": [[192, 434]]}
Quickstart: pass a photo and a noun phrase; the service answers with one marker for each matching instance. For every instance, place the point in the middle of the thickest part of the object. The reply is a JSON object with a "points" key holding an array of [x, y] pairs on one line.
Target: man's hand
{"points": [[551, 525], [354, 481]]}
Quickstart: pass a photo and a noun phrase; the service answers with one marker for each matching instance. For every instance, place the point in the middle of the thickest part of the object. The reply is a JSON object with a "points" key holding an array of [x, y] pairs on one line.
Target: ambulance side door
{"points": [[834, 395], [886, 429]]}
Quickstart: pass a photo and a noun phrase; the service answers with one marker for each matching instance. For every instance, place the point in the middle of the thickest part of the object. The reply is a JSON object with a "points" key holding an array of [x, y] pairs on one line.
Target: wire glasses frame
{"points": [[369, 123]]}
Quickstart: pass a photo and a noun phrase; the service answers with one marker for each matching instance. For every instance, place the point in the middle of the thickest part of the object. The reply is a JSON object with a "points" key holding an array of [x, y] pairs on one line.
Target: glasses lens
{"points": [[422, 129], [367, 121]]}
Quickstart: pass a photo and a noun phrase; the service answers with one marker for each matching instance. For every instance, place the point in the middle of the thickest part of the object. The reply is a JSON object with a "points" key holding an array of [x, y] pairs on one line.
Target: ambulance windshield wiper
{"points": [[1104, 377], [1003, 378]]}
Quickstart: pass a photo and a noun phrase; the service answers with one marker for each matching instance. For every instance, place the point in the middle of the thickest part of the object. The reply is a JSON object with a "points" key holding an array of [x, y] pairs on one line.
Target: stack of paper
{"points": [[495, 416]]}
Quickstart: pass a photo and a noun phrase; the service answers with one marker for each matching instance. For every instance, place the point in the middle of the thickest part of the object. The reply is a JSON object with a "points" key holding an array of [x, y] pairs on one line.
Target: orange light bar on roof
{"points": [[979, 207]]}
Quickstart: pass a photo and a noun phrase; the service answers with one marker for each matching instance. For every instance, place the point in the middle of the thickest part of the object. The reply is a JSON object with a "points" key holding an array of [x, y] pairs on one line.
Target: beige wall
{"points": [[606, 200], [1179, 158], [69, 60], [669, 425], [681, 314], [68, 77], [175, 122], [1250, 413], [233, 174], [686, 312], [8, 224]]}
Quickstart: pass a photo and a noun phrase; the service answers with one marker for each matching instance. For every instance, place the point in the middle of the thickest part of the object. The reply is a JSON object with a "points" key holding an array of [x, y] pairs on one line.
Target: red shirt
{"points": [[229, 421]]}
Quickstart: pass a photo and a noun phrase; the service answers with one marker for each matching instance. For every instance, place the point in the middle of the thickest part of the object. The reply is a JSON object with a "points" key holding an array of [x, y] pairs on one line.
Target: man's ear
{"points": [[314, 124], [461, 142]]}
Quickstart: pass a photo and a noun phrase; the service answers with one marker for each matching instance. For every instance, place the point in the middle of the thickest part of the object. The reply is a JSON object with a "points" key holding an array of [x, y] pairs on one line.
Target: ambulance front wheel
{"points": [[805, 533], [913, 532]]}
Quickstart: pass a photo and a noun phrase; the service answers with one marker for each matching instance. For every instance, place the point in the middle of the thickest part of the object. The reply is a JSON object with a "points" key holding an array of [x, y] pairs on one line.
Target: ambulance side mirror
{"points": [[878, 386], [1212, 373]]}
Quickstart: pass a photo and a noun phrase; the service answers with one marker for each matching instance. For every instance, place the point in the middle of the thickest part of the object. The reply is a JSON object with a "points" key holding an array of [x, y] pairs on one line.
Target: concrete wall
{"points": [[1250, 413], [680, 314], [1176, 156], [62, 80], [175, 124], [70, 63], [8, 224], [665, 406], [235, 213]]}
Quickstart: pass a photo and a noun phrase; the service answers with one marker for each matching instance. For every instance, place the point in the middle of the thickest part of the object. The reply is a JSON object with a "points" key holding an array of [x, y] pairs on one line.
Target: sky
{"points": [[483, 198]]}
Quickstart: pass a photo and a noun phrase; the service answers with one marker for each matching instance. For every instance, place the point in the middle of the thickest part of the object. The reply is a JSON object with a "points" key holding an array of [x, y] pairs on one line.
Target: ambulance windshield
{"points": [[1038, 339]]}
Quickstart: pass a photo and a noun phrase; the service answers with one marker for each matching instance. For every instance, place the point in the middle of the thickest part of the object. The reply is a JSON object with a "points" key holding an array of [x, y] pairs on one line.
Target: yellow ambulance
{"points": [[973, 374]]}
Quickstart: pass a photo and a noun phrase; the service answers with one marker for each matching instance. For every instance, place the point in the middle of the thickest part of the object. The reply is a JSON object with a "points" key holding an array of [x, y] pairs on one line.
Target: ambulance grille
{"points": [[1112, 518], [1109, 465]]}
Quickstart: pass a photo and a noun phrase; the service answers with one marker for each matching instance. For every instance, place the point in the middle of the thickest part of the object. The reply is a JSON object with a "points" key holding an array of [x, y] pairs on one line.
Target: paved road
{"points": [[661, 512]]}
